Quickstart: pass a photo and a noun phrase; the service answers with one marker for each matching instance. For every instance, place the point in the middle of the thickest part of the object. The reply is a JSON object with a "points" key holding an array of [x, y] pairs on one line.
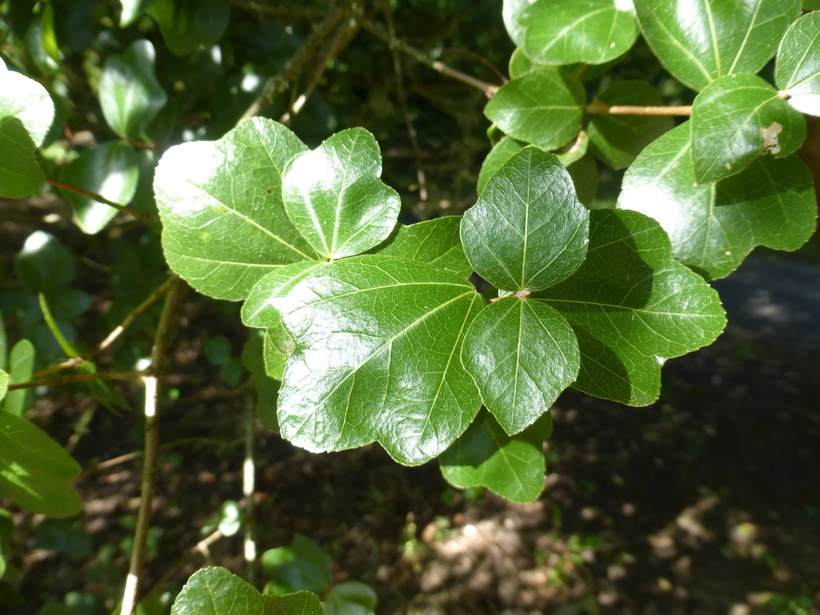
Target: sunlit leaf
{"points": [[131, 9], [35, 471], [130, 94], [334, 197], [714, 226], [798, 64], [527, 231], [20, 175], [737, 119], [224, 221], [377, 346], [28, 101], [511, 13], [44, 264], [21, 367], [485, 456], [699, 41], [189, 24], [567, 31], [544, 107]]}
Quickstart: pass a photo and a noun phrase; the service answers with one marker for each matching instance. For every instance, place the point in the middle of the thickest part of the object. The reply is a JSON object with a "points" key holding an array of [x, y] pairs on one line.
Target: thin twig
{"points": [[110, 463], [279, 83], [599, 108], [134, 213], [478, 57], [111, 338], [488, 88], [153, 386], [249, 489], [72, 378]]}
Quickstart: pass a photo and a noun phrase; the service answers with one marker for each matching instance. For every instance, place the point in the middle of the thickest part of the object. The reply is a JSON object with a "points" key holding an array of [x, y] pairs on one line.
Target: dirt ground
{"points": [[707, 502]]}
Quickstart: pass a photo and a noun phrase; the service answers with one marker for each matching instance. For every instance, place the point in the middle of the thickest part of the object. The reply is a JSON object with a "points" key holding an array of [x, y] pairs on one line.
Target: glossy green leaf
{"points": [[28, 101], [20, 175], [260, 309], [215, 591], [527, 231], [485, 456], [334, 197], [618, 139], [351, 598], [189, 24], [378, 341], [267, 388], [498, 156], [798, 64], [521, 354], [519, 64], [433, 242], [131, 10], [632, 307], [130, 94], [544, 107], [4, 384], [567, 31], [110, 170], [512, 12], [44, 265], [301, 566], [700, 40], [224, 221], [21, 367], [35, 471], [737, 119], [714, 226]]}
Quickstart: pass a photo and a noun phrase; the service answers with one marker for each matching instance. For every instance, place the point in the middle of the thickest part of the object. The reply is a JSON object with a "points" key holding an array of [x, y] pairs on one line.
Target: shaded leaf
{"points": [[584, 175], [527, 231], [334, 197], [499, 154], [737, 119], [35, 471], [433, 242], [632, 307], [20, 175], [700, 41], [130, 94], [567, 31], [110, 170], [224, 221], [618, 139], [21, 367], [798, 64], [189, 24], [28, 101], [485, 456], [521, 354], [351, 598], [714, 226], [378, 341], [544, 107], [301, 566], [44, 265]]}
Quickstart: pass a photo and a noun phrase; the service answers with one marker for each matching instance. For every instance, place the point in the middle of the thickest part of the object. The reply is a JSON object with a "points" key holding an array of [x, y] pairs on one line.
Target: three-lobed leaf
{"points": [[798, 64], [700, 40], [334, 197], [527, 231], [737, 119], [714, 226], [566, 31]]}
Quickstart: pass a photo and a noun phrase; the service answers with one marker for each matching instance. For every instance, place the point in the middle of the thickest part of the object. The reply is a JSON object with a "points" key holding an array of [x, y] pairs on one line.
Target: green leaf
{"points": [[522, 354], [334, 197], [544, 107], [499, 154], [301, 566], [351, 598], [511, 13], [700, 41], [110, 170], [713, 227], [21, 367], [189, 24], [35, 471], [527, 231], [223, 217], [130, 94], [215, 591], [798, 64], [4, 384], [485, 456], [617, 139], [737, 119], [28, 101], [131, 9], [378, 341], [434, 242], [632, 307], [267, 388], [44, 265], [584, 175], [520, 64], [20, 175], [567, 31], [261, 308]]}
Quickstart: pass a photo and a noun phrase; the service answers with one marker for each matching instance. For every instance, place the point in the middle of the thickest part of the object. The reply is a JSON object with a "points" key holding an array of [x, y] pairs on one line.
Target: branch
{"points": [[598, 108], [134, 213], [110, 463], [50, 382], [488, 88], [153, 386]]}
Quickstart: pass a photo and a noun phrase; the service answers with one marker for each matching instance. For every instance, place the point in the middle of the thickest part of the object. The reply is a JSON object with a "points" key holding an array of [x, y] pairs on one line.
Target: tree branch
{"points": [[50, 382], [134, 213], [598, 108]]}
